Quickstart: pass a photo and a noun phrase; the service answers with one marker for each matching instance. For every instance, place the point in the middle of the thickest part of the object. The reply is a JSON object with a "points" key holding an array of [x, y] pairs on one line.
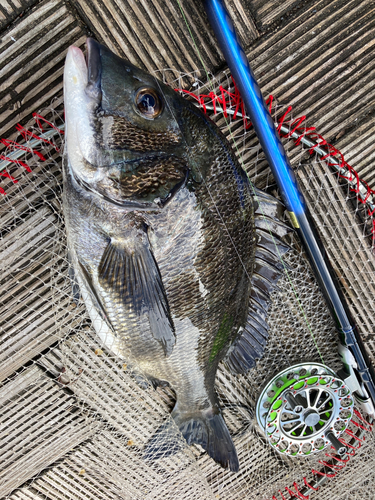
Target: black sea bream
{"points": [[170, 249]]}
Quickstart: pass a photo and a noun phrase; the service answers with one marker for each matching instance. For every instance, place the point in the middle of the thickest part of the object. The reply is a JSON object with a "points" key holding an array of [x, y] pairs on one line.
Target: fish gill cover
{"points": [[81, 401]]}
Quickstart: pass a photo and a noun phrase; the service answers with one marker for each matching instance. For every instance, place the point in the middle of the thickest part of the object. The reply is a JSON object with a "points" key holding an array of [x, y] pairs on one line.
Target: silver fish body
{"points": [[165, 237]]}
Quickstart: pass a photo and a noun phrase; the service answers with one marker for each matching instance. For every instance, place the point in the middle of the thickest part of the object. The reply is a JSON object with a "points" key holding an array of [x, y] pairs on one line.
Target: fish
{"points": [[174, 251]]}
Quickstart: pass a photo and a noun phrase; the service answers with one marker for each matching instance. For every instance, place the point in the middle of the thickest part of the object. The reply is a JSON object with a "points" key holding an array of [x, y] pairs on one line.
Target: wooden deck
{"points": [[70, 427]]}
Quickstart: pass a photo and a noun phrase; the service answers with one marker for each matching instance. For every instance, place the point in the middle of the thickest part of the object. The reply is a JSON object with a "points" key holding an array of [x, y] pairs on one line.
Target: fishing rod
{"points": [[358, 373]]}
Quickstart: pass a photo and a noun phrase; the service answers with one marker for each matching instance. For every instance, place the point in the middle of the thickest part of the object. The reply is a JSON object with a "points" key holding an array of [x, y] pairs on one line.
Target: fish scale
{"points": [[161, 224]]}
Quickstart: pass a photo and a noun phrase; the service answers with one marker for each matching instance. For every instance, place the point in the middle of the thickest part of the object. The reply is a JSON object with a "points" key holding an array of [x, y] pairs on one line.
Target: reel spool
{"points": [[305, 409]]}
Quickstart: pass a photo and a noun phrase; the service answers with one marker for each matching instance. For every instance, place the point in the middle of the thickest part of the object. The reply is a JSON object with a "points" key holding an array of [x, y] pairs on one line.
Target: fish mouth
{"points": [[94, 69], [87, 87]]}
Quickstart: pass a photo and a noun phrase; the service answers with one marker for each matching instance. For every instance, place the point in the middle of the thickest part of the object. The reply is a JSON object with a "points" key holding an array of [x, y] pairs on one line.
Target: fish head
{"points": [[127, 134]]}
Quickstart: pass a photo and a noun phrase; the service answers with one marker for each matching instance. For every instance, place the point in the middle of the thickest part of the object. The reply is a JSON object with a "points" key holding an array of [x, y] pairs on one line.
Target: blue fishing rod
{"points": [[359, 373]]}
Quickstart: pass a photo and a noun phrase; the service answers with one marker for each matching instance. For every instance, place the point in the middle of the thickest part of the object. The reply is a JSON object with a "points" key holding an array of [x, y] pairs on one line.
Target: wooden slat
{"points": [[344, 242], [242, 15], [270, 12], [10, 9], [322, 63], [154, 35], [128, 37], [32, 188], [36, 305], [106, 375], [33, 52], [358, 145], [38, 427], [107, 468], [25, 494]]}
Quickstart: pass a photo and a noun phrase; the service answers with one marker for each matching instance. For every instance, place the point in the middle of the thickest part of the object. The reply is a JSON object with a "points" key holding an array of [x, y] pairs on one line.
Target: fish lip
{"points": [[94, 69]]}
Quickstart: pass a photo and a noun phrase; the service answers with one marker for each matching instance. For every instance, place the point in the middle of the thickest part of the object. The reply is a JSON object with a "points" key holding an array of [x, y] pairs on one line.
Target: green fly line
{"points": [[300, 306]]}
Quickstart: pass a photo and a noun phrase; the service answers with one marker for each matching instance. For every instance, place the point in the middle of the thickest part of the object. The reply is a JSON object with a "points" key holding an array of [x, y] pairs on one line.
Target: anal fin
{"points": [[268, 268]]}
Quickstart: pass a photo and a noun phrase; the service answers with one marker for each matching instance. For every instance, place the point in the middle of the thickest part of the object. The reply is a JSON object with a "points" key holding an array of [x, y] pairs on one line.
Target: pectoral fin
{"points": [[134, 275]]}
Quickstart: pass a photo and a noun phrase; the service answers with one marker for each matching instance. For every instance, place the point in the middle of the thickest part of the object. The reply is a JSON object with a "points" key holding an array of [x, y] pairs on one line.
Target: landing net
{"points": [[74, 418]]}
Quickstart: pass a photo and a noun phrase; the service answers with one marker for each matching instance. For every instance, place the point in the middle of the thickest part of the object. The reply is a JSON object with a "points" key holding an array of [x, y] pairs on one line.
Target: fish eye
{"points": [[148, 103]]}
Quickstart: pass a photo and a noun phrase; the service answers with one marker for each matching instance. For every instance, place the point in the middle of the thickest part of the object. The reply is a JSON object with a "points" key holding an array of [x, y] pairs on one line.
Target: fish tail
{"points": [[209, 430], [206, 428]]}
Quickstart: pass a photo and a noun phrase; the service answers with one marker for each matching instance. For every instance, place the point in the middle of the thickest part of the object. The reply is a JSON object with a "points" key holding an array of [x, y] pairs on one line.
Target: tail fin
{"points": [[206, 429]]}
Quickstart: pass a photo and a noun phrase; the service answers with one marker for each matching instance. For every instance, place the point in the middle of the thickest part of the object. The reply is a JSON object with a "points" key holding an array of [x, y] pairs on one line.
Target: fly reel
{"points": [[305, 409]]}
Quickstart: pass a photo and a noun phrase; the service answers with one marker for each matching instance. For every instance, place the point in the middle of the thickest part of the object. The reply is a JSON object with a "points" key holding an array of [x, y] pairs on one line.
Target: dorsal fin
{"points": [[268, 268]]}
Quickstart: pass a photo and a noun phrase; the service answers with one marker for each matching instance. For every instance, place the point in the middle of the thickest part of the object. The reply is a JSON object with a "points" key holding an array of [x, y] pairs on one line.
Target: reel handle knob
{"points": [[339, 447], [295, 402]]}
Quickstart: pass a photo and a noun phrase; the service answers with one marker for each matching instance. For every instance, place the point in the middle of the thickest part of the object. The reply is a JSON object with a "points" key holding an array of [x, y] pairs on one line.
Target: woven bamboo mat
{"points": [[314, 55]]}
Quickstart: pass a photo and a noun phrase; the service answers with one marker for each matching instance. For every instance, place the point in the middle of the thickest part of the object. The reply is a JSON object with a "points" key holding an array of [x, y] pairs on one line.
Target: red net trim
{"points": [[18, 162], [226, 99], [335, 464], [39, 119], [16, 145], [26, 134], [363, 423]]}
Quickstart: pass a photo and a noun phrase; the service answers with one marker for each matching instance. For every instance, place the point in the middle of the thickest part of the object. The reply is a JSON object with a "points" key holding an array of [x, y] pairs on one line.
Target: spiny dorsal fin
{"points": [[268, 268], [135, 276]]}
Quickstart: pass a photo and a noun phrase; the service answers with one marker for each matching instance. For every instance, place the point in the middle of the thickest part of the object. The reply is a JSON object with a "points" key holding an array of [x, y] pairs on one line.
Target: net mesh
{"points": [[75, 418]]}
